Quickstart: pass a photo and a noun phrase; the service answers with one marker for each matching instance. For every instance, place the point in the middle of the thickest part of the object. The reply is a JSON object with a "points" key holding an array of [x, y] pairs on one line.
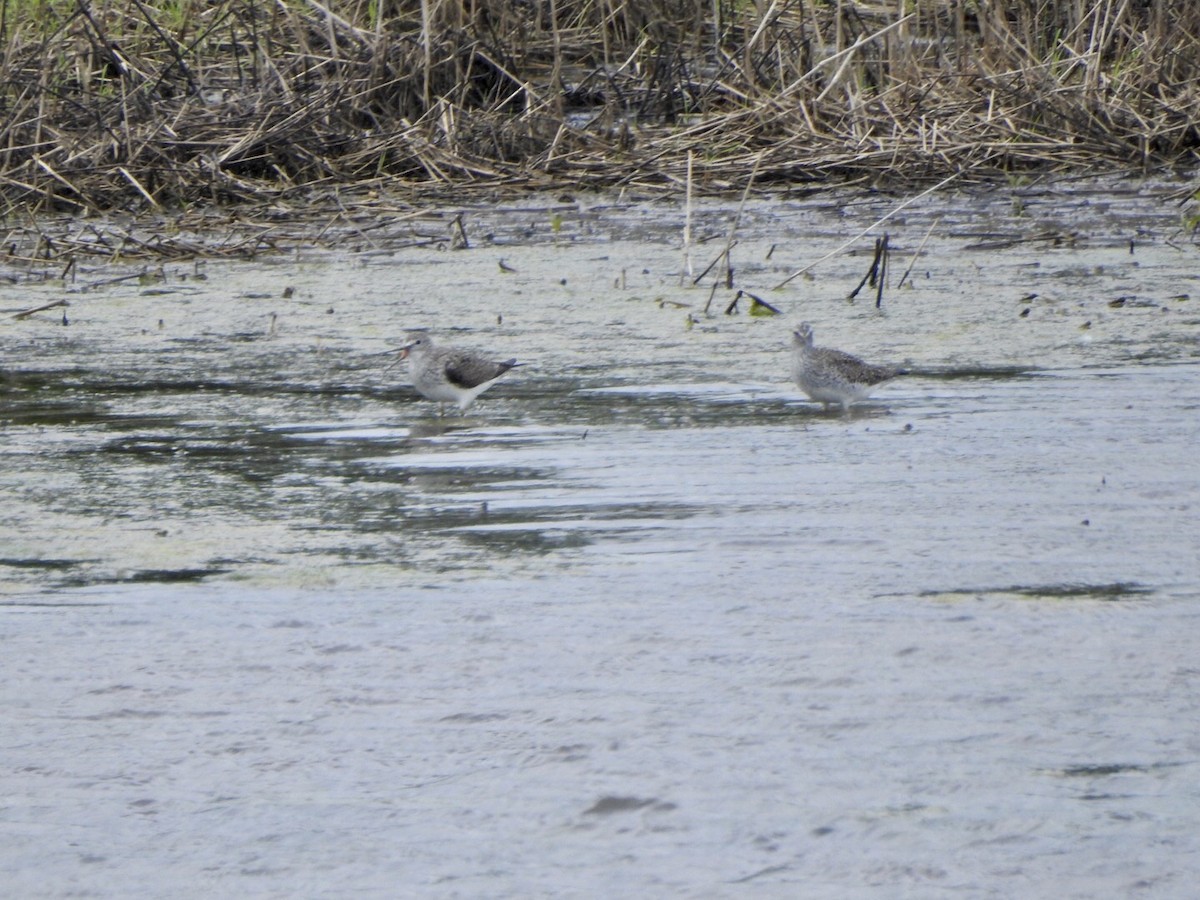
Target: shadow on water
{"points": [[74, 573], [42, 564], [1104, 770], [177, 486], [162, 460], [1097, 775], [962, 373], [153, 576], [1116, 591]]}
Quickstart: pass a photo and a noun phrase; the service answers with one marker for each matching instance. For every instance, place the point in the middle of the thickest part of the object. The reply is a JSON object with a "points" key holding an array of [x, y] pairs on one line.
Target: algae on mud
{"points": [[166, 429]]}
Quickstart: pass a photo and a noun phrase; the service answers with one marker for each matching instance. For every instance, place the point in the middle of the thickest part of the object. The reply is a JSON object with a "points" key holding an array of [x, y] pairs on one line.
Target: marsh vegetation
{"points": [[140, 105]]}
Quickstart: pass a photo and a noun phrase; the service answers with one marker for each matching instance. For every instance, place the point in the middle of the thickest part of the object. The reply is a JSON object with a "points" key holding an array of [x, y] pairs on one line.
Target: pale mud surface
{"points": [[644, 622]]}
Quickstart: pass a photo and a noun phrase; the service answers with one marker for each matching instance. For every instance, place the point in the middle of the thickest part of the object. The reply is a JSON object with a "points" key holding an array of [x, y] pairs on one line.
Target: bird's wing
{"points": [[857, 370], [466, 370]]}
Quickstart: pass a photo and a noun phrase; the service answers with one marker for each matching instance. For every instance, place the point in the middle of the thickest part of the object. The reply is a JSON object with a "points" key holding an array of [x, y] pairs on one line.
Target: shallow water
{"points": [[645, 619]]}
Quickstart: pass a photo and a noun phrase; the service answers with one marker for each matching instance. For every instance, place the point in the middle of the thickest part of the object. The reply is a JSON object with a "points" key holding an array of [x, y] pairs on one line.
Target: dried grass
{"points": [[133, 105]]}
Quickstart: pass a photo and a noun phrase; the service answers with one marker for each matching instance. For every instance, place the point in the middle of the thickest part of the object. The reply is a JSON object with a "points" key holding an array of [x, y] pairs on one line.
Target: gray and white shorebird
{"points": [[832, 377], [449, 374]]}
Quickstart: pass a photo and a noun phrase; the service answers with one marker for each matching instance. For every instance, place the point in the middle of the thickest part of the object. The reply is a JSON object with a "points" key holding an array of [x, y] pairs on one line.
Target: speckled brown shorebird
{"points": [[832, 377]]}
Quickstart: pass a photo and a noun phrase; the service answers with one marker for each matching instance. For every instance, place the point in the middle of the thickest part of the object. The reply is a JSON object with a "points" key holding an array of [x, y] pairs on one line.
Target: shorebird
{"points": [[830, 376], [449, 374]]}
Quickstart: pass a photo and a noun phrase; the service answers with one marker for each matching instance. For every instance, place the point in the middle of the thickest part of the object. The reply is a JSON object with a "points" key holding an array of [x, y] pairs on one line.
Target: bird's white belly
{"points": [[831, 394], [438, 390]]}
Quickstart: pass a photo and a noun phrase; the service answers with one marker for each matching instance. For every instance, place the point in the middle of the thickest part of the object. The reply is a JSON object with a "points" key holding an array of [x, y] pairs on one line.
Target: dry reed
{"points": [[137, 105]]}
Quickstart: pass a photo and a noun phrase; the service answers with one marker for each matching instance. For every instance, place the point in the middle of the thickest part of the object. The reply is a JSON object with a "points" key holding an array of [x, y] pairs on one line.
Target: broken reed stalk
{"points": [[880, 268], [737, 218], [720, 257], [842, 246], [884, 262], [458, 234], [26, 313], [730, 242], [875, 272], [686, 271], [917, 253]]}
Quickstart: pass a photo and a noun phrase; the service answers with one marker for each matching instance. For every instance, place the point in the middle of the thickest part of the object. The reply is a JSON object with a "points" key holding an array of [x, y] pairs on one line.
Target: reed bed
{"points": [[143, 105]]}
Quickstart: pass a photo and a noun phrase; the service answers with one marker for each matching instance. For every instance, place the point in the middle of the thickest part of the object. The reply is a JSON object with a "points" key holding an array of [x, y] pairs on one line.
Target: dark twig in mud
{"points": [[877, 272], [723, 256], [458, 234], [842, 246], [885, 256]]}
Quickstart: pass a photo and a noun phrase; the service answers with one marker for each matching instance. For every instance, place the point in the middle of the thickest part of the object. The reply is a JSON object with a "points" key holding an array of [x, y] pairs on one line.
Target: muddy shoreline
{"points": [[646, 621], [208, 365]]}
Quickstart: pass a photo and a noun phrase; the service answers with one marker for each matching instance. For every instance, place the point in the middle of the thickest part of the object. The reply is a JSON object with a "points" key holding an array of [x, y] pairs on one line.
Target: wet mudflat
{"points": [[643, 620]]}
